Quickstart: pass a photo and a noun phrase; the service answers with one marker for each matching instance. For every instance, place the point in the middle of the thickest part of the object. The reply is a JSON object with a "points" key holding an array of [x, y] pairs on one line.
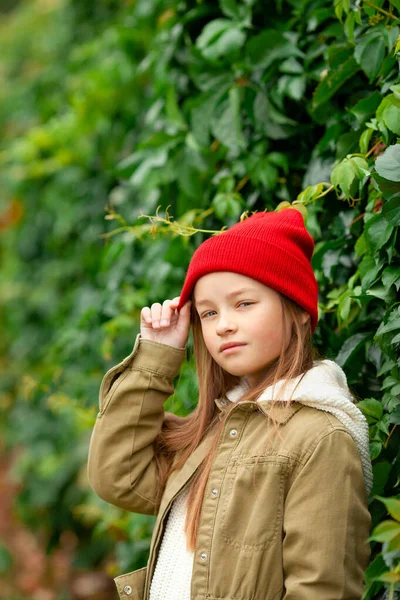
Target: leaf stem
{"points": [[242, 183], [383, 11], [114, 231], [374, 147], [330, 188], [391, 596], [389, 436]]}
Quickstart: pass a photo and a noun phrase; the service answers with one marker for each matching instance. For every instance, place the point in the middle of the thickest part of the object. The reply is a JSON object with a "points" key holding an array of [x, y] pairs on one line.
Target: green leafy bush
{"points": [[109, 110]]}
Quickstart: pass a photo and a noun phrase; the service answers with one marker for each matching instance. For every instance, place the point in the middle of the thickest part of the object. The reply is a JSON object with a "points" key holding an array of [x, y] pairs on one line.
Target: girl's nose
{"points": [[225, 325]]}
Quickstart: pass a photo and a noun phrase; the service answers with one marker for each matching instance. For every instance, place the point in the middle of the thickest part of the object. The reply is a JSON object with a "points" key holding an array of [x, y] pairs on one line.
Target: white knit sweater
{"points": [[323, 387]]}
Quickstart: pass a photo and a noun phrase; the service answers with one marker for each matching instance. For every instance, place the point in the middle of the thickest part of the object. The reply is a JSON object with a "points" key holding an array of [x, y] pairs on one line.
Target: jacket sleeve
{"points": [[327, 523], [121, 462]]}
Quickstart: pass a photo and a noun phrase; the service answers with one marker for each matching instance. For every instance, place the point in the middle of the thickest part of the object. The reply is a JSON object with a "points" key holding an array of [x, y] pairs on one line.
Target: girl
{"points": [[261, 492]]}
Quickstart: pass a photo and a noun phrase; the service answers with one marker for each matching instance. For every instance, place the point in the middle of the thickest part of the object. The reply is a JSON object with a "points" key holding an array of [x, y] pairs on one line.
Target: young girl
{"points": [[261, 492]]}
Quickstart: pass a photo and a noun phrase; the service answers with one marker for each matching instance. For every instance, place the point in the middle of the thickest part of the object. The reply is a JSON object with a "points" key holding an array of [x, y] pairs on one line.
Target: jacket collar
{"points": [[321, 386], [282, 411]]}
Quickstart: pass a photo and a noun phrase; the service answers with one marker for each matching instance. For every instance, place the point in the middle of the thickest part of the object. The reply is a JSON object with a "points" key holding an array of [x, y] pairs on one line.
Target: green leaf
{"points": [[291, 66], [397, 46], [266, 174], [366, 107], [391, 211], [379, 291], [371, 408], [365, 139], [202, 112], [157, 159], [351, 346], [370, 53], [375, 568], [375, 448], [385, 531], [228, 205], [388, 189], [393, 545], [387, 165], [395, 391], [172, 109], [387, 365], [219, 38], [391, 276], [389, 577], [296, 87], [310, 193], [340, 7], [381, 473], [279, 160], [377, 231], [349, 26], [268, 46], [269, 120], [189, 176], [212, 31], [396, 90], [394, 417], [360, 246], [391, 34], [388, 113], [393, 322], [383, 425], [348, 175], [333, 81], [369, 271], [235, 10], [392, 506], [227, 126]]}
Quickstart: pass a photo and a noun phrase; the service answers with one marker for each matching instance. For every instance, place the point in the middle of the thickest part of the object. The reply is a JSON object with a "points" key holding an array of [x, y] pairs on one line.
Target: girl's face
{"points": [[243, 313]]}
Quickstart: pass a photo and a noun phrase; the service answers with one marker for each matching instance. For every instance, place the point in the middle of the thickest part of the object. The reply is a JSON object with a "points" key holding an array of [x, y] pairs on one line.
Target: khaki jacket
{"points": [[302, 536]]}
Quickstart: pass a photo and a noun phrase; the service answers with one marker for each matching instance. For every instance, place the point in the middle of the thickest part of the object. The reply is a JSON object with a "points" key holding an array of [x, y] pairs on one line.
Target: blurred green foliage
{"points": [[111, 109]]}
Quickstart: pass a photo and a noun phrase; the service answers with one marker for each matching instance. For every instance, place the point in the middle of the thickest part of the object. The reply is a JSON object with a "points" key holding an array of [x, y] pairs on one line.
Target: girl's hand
{"points": [[164, 324]]}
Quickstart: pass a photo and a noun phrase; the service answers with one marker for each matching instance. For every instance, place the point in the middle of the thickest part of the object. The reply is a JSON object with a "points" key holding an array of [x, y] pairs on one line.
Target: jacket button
{"points": [[223, 402], [214, 493], [233, 433], [128, 590], [203, 555]]}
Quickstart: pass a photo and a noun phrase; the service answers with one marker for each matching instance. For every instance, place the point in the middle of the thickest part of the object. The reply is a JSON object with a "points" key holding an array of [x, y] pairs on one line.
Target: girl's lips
{"points": [[232, 349]]}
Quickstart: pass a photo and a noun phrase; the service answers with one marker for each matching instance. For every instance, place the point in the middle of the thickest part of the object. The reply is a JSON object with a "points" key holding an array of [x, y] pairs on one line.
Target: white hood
{"points": [[323, 387]]}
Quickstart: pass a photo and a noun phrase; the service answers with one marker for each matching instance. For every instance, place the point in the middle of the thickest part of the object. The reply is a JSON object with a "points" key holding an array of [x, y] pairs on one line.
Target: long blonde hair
{"points": [[183, 434]]}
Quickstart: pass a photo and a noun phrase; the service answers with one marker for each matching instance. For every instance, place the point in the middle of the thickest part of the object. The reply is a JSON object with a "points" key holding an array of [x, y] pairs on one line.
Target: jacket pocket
{"points": [[252, 501], [130, 586]]}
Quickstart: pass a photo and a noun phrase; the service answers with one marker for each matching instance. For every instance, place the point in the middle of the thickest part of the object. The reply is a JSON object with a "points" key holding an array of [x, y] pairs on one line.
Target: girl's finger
{"points": [[185, 310], [175, 301], [145, 314], [166, 313], [156, 314]]}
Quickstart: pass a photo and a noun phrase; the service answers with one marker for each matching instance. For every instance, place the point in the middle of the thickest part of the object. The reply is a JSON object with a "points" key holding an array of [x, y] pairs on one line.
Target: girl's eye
{"points": [[207, 313]]}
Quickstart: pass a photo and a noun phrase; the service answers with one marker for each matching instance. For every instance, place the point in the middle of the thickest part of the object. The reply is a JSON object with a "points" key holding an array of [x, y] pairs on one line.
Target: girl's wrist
{"points": [[166, 343]]}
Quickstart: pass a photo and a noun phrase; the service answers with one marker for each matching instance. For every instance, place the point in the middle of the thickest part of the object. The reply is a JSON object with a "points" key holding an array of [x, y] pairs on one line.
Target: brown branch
{"points": [[242, 183], [373, 149], [390, 434]]}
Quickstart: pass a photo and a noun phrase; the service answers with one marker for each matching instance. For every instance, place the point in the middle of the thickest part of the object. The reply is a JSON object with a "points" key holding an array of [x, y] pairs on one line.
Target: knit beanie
{"points": [[274, 248]]}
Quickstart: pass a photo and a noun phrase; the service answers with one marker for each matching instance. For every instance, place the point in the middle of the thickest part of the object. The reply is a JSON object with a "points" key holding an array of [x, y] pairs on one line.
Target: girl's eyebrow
{"points": [[228, 296]]}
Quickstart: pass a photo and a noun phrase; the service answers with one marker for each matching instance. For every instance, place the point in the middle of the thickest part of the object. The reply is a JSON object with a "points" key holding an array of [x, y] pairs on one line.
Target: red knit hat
{"points": [[274, 248]]}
